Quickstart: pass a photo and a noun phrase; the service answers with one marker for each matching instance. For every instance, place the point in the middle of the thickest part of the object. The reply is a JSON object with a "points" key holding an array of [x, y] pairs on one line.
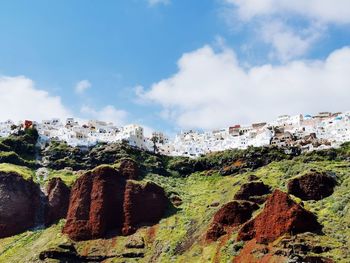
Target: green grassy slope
{"points": [[179, 236]]}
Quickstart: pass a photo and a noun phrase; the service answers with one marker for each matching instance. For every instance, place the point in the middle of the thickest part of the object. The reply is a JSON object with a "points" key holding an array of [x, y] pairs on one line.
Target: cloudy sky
{"points": [[173, 64]]}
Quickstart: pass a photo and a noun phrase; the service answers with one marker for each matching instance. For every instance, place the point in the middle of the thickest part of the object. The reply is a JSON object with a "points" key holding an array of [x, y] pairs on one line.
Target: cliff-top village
{"points": [[307, 132]]}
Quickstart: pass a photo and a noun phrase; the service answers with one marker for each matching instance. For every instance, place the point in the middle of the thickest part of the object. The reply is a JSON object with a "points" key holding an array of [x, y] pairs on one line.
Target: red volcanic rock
{"points": [[96, 204], [19, 203], [103, 200], [129, 169], [58, 200], [231, 214], [143, 204], [312, 186], [280, 215], [250, 191], [215, 231]]}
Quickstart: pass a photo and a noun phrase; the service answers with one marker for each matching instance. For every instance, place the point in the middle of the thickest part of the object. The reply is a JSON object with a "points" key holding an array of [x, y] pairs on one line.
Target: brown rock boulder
{"points": [[143, 204], [58, 200], [312, 186], [253, 191], [229, 215], [129, 169], [280, 215], [96, 204], [215, 231], [19, 204]]}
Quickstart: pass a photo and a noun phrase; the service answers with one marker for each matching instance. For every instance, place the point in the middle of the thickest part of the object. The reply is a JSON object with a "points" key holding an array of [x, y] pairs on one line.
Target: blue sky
{"points": [[129, 55]]}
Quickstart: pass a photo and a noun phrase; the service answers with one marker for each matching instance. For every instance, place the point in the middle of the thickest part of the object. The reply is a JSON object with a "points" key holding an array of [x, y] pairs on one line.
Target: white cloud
{"points": [[82, 86], [20, 100], [156, 2], [327, 11], [212, 90], [108, 113], [287, 42], [291, 28]]}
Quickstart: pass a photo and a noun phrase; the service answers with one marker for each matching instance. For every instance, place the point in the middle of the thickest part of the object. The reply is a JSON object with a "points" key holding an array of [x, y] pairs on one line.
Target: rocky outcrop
{"points": [[253, 191], [58, 200], [19, 203], [252, 177], [230, 215], [96, 204], [143, 204], [312, 186], [104, 200], [135, 241], [129, 169], [317, 259], [68, 253], [281, 215], [176, 200], [254, 252], [232, 168]]}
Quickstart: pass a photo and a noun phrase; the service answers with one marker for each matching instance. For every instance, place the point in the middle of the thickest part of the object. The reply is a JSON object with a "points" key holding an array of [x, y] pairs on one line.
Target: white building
{"points": [[331, 130]]}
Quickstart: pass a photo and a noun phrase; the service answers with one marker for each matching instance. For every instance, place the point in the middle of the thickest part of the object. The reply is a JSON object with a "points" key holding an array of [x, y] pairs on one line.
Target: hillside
{"points": [[115, 203]]}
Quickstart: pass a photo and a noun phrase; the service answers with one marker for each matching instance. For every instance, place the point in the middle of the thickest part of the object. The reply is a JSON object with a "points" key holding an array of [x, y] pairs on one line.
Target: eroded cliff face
{"points": [[281, 215], [129, 169], [57, 200], [96, 204], [143, 204], [19, 203], [230, 215], [104, 200]]}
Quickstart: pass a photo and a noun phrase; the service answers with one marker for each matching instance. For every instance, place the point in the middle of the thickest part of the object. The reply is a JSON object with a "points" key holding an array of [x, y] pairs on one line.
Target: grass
{"points": [[26, 247], [188, 225], [68, 177], [25, 172], [14, 158]]}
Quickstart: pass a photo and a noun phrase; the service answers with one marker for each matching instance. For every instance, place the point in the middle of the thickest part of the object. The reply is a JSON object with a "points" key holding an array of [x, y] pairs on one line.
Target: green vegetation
{"points": [[22, 144], [24, 247], [19, 148], [179, 237], [14, 158], [25, 172], [68, 177]]}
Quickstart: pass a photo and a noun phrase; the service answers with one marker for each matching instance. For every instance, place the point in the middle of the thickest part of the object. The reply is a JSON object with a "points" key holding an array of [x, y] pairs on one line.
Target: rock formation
{"points": [[96, 204], [253, 191], [68, 253], [280, 215], [19, 203], [129, 169], [103, 200], [231, 214], [58, 200], [317, 259], [142, 204], [312, 186]]}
